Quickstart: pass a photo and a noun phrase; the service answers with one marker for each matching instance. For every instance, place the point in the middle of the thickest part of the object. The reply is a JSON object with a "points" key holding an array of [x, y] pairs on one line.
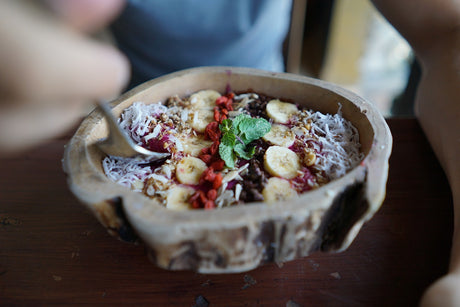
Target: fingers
{"points": [[44, 61], [67, 66], [86, 15], [24, 127], [50, 75], [443, 292]]}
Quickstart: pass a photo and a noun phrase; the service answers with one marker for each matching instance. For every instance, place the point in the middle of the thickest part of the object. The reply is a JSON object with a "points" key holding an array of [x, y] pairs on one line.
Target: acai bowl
{"points": [[268, 138]]}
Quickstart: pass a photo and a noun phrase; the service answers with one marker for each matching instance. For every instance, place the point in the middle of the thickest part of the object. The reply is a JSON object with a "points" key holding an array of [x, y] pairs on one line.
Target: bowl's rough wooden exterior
{"points": [[238, 238]]}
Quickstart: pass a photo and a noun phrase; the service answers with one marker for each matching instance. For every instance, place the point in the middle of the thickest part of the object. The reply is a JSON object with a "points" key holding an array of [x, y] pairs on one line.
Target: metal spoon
{"points": [[118, 142]]}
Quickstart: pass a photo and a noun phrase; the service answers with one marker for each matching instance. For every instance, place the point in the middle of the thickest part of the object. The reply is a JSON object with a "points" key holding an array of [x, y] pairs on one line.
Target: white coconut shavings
{"points": [[338, 148], [156, 131], [136, 120], [160, 178], [184, 115], [227, 197], [125, 171], [238, 190], [167, 171], [179, 145], [242, 101]]}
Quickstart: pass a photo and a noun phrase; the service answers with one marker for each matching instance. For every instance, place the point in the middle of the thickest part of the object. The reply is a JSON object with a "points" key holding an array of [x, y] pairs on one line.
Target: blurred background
{"points": [[349, 43]]}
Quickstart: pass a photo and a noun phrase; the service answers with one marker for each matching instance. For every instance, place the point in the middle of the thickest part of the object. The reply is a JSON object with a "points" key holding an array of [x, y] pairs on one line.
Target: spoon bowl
{"points": [[118, 142]]}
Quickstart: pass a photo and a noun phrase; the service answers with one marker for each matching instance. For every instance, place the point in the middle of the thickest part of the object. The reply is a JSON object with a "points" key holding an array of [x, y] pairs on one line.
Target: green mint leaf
{"points": [[253, 129], [226, 125], [226, 154], [243, 152], [227, 143], [237, 122], [228, 139], [238, 134]]}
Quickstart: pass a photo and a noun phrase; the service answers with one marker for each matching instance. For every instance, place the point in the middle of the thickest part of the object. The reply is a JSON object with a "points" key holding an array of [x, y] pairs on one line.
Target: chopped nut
{"points": [[164, 117], [310, 157]]}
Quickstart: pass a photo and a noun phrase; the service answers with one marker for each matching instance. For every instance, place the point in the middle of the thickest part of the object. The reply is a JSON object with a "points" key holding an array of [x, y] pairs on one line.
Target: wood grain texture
{"points": [[52, 251]]}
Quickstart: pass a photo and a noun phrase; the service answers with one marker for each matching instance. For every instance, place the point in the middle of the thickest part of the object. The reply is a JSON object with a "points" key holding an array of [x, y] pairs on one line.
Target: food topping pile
{"points": [[232, 149]]}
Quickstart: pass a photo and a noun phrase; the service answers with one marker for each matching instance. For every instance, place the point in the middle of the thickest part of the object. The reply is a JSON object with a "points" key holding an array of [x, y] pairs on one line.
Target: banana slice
{"points": [[278, 189], [193, 145], [203, 103], [201, 118], [280, 111], [189, 170], [282, 162], [178, 196], [280, 135], [205, 99]]}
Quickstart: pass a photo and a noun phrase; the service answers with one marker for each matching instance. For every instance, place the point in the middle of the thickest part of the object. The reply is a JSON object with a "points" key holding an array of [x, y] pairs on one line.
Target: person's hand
{"points": [[433, 30], [438, 111], [51, 70]]}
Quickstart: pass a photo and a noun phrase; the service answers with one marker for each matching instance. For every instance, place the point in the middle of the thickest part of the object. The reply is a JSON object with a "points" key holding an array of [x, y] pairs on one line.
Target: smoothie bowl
{"points": [[263, 167]]}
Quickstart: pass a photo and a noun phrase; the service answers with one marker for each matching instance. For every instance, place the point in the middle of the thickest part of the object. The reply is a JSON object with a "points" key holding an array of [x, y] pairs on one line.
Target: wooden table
{"points": [[52, 251]]}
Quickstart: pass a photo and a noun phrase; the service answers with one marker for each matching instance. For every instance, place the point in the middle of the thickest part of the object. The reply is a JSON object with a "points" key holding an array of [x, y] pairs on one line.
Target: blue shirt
{"points": [[162, 36]]}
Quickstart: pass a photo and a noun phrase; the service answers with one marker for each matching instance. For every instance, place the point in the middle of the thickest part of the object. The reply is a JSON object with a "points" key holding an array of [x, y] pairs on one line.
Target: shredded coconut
{"points": [[136, 119], [125, 171], [338, 147]]}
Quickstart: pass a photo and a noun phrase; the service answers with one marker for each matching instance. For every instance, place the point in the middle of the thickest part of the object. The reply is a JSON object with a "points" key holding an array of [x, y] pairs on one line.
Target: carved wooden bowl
{"points": [[237, 238]]}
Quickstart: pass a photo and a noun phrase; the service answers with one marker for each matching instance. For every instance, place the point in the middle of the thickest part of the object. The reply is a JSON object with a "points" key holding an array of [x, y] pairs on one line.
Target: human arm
{"points": [[433, 30], [51, 71]]}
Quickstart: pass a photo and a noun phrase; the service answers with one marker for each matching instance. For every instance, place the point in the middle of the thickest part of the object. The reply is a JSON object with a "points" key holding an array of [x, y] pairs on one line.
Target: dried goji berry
{"points": [[212, 131], [217, 182], [209, 205], [194, 200], [214, 148], [208, 175], [206, 158], [229, 105], [204, 151], [218, 165], [196, 204], [202, 197], [216, 114], [212, 194], [221, 101]]}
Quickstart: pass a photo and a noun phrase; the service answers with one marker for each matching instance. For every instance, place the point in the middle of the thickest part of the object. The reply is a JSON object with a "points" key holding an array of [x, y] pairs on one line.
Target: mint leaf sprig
{"points": [[238, 134]]}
